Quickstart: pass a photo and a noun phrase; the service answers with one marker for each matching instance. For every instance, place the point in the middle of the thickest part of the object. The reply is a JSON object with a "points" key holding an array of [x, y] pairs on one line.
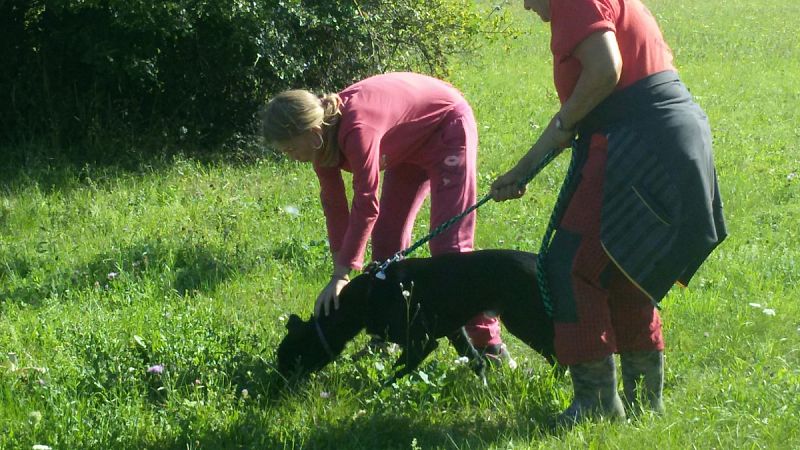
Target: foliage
{"points": [[194, 71], [107, 274]]}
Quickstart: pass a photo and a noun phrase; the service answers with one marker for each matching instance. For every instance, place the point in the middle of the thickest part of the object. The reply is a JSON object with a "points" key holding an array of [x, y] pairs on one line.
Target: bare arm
{"points": [[601, 68]]}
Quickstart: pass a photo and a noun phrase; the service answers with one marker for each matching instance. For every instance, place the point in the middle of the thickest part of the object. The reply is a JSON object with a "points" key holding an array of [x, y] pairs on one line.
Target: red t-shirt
{"points": [[385, 121], [641, 44]]}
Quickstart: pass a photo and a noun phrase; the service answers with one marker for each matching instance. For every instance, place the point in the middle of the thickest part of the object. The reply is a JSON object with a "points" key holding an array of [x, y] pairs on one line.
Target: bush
{"points": [[86, 71]]}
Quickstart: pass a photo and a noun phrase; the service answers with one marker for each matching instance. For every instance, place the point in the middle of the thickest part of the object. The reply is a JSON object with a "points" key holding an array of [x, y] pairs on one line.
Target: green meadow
{"points": [[141, 307]]}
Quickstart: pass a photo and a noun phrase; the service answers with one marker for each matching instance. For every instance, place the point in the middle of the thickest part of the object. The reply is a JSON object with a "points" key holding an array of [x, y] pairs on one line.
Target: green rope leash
{"points": [[564, 194]]}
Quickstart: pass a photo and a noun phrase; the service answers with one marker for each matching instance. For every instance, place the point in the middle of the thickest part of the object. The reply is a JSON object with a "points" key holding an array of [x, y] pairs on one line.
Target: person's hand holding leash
{"points": [[507, 186], [511, 185]]}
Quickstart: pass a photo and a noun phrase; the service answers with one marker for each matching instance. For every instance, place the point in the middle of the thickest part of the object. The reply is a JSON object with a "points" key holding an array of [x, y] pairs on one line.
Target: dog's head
{"points": [[301, 351], [310, 345]]}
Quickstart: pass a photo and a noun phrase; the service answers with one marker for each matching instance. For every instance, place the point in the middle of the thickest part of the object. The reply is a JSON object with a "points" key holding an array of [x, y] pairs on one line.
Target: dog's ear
{"points": [[294, 323]]}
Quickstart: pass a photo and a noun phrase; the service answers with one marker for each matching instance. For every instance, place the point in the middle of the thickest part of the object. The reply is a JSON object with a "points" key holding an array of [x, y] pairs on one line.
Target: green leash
{"points": [[564, 194], [558, 211]]}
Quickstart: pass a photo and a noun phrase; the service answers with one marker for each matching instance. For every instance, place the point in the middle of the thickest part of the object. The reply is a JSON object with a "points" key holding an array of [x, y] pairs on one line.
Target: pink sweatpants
{"points": [[446, 167]]}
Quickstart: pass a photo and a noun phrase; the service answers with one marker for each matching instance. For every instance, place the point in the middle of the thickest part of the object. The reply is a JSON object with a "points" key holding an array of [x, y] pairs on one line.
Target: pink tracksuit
{"points": [[421, 132]]}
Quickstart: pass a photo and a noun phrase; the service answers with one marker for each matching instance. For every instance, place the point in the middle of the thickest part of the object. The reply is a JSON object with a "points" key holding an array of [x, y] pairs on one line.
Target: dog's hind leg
{"points": [[462, 344], [464, 347]]}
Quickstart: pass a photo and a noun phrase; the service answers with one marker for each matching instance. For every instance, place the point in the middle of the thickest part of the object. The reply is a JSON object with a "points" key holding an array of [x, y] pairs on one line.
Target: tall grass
{"points": [[108, 275]]}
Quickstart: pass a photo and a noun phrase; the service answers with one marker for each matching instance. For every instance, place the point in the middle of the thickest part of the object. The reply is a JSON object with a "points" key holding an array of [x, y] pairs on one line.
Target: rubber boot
{"points": [[643, 380], [595, 393]]}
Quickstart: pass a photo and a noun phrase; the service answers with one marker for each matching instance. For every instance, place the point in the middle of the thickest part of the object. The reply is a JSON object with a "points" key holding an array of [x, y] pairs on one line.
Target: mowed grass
{"points": [[106, 273]]}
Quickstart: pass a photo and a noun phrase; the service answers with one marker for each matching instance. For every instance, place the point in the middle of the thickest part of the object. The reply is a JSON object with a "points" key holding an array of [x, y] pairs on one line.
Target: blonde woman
{"points": [[421, 133]]}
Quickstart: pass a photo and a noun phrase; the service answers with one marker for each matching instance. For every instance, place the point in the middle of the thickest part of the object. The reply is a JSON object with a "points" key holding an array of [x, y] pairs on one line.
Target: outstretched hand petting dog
{"points": [[330, 293]]}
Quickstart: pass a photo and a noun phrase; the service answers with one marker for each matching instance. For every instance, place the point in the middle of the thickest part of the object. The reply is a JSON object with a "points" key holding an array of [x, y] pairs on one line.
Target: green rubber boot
{"points": [[643, 380], [595, 393]]}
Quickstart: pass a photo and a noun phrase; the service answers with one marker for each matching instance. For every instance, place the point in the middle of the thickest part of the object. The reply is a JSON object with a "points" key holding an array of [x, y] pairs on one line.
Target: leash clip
{"points": [[380, 271]]}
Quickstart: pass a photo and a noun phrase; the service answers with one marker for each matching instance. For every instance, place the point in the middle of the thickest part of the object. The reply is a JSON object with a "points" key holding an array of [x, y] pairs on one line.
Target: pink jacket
{"points": [[386, 120]]}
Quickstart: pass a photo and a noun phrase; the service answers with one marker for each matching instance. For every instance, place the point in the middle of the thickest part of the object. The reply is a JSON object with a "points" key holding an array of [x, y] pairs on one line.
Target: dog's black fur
{"points": [[444, 293]]}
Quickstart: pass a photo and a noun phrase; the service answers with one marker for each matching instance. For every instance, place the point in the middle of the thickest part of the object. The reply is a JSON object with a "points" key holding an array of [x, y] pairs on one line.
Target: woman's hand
{"points": [[330, 293], [507, 186], [511, 185]]}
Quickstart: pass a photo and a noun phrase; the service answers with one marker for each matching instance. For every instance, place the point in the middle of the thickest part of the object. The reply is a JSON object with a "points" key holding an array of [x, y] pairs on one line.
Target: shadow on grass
{"points": [[273, 424], [190, 268], [62, 170], [58, 170], [382, 431], [400, 432]]}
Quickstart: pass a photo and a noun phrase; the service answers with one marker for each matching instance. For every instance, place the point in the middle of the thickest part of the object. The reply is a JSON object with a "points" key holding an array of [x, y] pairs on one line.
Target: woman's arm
{"points": [[362, 146], [334, 204], [601, 69], [363, 153]]}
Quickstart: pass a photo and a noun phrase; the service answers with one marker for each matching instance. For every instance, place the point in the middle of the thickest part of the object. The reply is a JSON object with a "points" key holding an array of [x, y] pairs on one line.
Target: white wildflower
{"points": [[292, 210], [424, 377], [769, 311], [34, 417], [755, 305]]}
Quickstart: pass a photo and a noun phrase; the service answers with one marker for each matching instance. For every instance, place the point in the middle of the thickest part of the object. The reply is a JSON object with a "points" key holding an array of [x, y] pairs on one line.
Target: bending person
{"points": [[421, 133]]}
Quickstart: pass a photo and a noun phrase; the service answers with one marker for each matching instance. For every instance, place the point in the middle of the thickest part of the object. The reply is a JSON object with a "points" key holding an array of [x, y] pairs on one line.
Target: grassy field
{"points": [[141, 308]]}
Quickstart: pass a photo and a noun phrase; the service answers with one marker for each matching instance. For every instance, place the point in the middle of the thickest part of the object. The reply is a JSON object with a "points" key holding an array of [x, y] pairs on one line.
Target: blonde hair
{"points": [[296, 111]]}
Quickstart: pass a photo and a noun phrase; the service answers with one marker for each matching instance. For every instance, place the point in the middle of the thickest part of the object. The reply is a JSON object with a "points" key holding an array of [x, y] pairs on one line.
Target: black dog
{"points": [[423, 299]]}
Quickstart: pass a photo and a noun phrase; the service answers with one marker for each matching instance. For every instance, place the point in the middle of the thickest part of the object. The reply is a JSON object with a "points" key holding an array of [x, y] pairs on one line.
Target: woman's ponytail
{"points": [[329, 153]]}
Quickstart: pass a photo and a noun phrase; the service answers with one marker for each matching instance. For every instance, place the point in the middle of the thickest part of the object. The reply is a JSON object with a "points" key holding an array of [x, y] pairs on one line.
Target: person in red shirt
{"points": [[642, 210], [418, 130]]}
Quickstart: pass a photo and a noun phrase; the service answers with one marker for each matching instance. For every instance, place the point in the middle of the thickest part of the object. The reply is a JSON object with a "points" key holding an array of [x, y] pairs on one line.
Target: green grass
{"points": [[105, 272]]}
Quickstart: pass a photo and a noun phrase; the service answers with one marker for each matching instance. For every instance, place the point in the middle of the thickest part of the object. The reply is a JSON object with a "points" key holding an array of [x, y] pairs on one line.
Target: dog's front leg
{"points": [[411, 358], [464, 347]]}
